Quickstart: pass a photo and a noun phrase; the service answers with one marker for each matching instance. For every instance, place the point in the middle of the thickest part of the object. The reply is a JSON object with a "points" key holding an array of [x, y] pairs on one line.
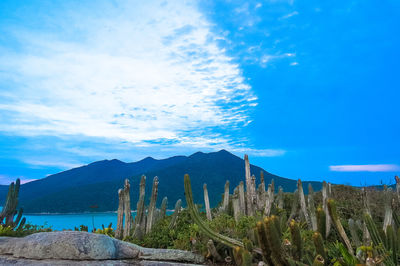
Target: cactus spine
{"points": [[354, 234]]}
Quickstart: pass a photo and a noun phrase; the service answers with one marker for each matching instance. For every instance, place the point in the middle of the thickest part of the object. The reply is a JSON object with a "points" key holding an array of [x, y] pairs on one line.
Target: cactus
{"points": [[354, 234], [321, 222], [379, 242], [203, 227], [269, 200], [296, 239], [295, 205], [388, 207], [10, 208], [140, 204], [152, 207], [242, 256], [274, 241], [303, 203], [163, 208], [319, 245], [325, 195], [318, 261], [226, 197], [279, 199], [120, 214], [235, 204], [250, 191], [338, 225], [175, 214], [311, 207], [127, 209], [207, 202], [263, 242], [242, 201], [392, 242], [212, 251]]}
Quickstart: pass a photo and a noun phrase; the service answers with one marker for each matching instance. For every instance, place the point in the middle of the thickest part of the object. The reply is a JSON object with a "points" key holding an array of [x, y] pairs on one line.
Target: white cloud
{"points": [[294, 13], [365, 168], [48, 162], [136, 73]]}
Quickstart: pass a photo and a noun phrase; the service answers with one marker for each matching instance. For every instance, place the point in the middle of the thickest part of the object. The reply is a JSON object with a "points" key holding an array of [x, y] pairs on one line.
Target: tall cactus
{"points": [[10, 208], [175, 214], [295, 205], [279, 199], [120, 215], [242, 199], [388, 207], [311, 207], [226, 197], [235, 204], [127, 209], [338, 225], [303, 205], [250, 190], [194, 213], [163, 208], [207, 202], [152, 207], [325, 196]]}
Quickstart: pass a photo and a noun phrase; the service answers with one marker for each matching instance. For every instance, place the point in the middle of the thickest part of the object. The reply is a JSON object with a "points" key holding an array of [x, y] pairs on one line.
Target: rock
{"points": [[74, 245], [64, 245], [7, 260]]}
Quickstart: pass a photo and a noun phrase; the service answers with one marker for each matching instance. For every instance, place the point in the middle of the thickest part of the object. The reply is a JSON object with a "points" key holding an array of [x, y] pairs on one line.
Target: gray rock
{"points": [[74, 245], [8, 260]]}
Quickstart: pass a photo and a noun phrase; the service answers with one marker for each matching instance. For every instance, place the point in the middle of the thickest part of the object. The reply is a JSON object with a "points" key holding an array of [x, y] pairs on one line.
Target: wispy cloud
{"points": [[46, 162], [365, 168], [294, 13], [124, 77]]}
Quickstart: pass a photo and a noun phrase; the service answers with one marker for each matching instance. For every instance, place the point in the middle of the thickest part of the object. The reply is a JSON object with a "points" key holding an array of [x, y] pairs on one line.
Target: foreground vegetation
{"points": [[339, 225]]}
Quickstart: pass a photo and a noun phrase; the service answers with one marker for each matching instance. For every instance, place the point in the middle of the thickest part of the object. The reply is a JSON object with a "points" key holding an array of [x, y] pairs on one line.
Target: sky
{"points": [[308, 89]]}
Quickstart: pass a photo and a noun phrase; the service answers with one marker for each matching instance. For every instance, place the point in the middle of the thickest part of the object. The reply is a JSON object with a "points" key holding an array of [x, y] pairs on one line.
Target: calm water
{"points": [[69, 221]]}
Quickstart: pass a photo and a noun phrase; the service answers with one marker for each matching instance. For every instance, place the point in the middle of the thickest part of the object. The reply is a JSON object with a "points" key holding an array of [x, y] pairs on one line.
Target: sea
{"points": [[70, 221]]}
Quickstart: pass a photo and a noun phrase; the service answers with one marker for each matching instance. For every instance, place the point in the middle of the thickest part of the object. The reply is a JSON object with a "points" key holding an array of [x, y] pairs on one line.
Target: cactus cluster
{"points": [[277, 240], [145, 218], [10, 208]]}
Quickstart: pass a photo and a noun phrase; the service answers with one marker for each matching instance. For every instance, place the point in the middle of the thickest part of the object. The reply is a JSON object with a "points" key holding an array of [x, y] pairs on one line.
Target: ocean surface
{"points": [[70, 221]]}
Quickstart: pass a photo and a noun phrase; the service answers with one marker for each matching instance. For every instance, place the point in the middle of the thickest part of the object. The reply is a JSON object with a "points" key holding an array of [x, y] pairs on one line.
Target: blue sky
{"points": [[309, 89]]}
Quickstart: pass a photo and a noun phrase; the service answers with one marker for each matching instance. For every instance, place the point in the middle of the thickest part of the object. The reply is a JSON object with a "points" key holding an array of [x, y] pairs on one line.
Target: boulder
{"points": [[74, 245]]}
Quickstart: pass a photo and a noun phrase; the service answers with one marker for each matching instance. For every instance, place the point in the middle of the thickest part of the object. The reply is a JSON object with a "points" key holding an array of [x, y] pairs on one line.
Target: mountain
{"points": [[77, 189]]}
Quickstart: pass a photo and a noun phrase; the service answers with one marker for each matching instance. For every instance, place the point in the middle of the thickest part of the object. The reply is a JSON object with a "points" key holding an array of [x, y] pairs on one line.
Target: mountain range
{"points": [[96, 184]]}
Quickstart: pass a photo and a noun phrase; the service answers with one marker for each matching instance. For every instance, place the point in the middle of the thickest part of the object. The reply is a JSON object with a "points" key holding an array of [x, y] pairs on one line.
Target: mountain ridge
{"points": [[97, 183]]}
